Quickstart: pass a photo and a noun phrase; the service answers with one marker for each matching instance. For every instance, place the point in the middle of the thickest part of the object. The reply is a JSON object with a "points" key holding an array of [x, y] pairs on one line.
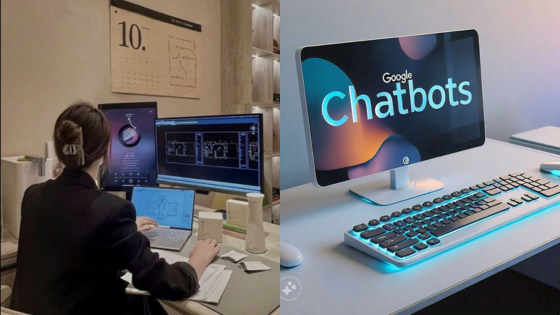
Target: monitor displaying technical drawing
{"points": [[218, 153]]}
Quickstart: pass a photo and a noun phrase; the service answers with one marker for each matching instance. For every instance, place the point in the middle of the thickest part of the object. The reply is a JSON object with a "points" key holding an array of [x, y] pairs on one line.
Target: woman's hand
{"points": [[145, 224], [202, 255]]}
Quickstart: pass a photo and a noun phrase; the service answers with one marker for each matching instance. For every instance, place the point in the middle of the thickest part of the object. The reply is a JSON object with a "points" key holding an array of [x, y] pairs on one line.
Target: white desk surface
{"points": [[272, 232], [338, 279]]}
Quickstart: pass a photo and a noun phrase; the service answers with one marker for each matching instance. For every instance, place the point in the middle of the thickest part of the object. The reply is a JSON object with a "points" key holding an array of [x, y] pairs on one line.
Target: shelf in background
{"points": [[266, 105], [259, 52]]}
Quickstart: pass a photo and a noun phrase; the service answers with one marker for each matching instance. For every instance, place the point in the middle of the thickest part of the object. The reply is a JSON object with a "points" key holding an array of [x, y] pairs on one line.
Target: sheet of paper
{"points": [[233, 256], [170, 257], [218, 289], [250, 266]]}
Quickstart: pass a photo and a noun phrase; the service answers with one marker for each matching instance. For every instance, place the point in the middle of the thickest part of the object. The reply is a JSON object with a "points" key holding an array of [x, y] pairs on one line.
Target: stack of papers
{"points": [[8, 250], [233, 256], [212, 283]]}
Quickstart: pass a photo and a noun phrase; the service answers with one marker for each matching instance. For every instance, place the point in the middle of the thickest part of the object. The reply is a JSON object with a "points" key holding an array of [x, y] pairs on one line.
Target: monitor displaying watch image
{"points": [[132, 158], [376, 105]]}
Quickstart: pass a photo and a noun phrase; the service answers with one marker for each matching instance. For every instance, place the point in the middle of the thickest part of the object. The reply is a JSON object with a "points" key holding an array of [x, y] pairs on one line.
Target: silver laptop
{"points": [[172, 209]]}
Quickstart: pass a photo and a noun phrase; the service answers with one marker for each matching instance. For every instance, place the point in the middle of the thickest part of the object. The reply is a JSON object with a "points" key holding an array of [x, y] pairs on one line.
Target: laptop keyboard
{"points": [[167, 234], [414, 231]]}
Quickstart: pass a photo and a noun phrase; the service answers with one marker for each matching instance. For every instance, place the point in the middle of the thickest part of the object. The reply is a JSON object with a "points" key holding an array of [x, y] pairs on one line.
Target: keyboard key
{"points": [[469, 220], [542, 182], [405, 252], [412, 234], [516, 174], [406, 211], [389, 227], [469, 212], [527, 199], [433, 242], [429, 227], [437, 224], [512, 203], [446, 197], [465, 190], [436, 211], [488, 199], [399, 224], [473, 198], [473, 187], [409, 220], [461, 215], [493, 203], [483, 207], [385, 218], [428, 214], [466, 200], [360, 228], [551, 192], [438, 200], [551, 185], [451, 206], [420, 246], [488, 182], [481, 185], [516, 200], [417, 225], [446, 221], [396, 214], [536, 189], [504, 188], [456, 194], [444, 208], [424, 236], [372, 233], [532, 196], [458, 203], [393, 241], [454, 218], [421, 230], [399, 231], [383, 237], [417, 207], [494, 192], [374, 222], [479, 195], [408, 228], [402, 245], [419, 217], [427, 204], [504, 177]]}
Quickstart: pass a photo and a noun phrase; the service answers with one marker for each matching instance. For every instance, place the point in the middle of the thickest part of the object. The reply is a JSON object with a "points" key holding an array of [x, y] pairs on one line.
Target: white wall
{"points": [[54, 52], [519, 47]]}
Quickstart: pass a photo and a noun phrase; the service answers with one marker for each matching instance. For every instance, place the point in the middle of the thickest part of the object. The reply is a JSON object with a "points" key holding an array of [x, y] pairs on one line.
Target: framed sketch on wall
{"points": [[153, 53]]}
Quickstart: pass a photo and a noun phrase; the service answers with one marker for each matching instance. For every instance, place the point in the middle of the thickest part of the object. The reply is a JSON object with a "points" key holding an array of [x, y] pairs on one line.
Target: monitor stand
{"points": [[400, 188]]}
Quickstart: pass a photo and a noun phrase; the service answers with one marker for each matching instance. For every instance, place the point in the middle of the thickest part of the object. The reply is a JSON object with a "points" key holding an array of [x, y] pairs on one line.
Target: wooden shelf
{"points": [[266, 105]]}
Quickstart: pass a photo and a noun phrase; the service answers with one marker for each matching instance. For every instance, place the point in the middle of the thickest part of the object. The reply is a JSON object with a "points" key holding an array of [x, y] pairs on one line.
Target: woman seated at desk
{"points": [[75, 239]]}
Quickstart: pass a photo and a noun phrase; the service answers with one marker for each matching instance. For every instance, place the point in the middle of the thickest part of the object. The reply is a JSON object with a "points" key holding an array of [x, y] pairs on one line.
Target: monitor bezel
{"points": [[129, 105], [173, 188], [305, 113], [194, 185]]}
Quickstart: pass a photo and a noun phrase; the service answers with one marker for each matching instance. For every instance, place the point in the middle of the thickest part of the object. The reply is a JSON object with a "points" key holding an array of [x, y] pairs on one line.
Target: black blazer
{"points": [[75, 240]]}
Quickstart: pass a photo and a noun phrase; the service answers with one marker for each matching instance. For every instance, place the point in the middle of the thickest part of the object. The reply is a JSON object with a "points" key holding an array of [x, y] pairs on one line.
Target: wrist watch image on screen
{"points": [[129, 135], [376, 105]]}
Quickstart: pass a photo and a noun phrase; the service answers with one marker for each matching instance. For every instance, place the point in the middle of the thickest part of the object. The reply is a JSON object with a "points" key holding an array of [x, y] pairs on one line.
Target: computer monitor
{"points": [[378, 105], [217, 153], [132, 159]]}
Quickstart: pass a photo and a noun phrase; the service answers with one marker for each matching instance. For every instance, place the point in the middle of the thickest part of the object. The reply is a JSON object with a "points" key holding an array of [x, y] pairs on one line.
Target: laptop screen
{"points": [[169, 207]]}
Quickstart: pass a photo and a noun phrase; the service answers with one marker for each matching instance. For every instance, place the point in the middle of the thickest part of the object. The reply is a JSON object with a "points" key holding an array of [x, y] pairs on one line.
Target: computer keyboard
{"points": [[414, 234], [167, 234]]}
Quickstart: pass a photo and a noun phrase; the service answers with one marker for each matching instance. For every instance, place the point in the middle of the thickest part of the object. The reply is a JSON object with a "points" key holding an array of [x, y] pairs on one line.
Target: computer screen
{"points": [[377, 105], [168, 206], [218, 153], [132, 159]]}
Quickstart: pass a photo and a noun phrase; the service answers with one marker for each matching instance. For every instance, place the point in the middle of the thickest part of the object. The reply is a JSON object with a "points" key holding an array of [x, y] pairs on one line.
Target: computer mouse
{"points": [[551, 167], [290, 256]]}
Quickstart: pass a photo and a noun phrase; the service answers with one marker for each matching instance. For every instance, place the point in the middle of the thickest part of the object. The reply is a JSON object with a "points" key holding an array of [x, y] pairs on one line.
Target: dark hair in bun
{"points": [[81, 135]]}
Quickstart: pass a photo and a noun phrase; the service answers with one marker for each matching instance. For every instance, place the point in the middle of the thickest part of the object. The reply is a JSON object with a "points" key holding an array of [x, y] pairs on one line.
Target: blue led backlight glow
{"points": [[555, 173]]}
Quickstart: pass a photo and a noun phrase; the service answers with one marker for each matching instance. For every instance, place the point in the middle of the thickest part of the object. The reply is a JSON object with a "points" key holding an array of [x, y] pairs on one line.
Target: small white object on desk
{"points": [[233, 256], [251, 266], [290, 256], [210, 226], [255, 242], [237, 212]]}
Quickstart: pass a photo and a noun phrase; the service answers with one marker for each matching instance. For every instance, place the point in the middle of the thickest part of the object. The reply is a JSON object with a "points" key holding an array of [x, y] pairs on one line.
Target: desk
{"points": [[272, 232], [338, 279]]}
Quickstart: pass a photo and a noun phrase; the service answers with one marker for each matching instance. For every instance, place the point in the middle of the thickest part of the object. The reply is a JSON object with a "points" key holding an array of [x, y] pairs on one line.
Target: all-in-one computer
{"points": [[382, 105]]}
